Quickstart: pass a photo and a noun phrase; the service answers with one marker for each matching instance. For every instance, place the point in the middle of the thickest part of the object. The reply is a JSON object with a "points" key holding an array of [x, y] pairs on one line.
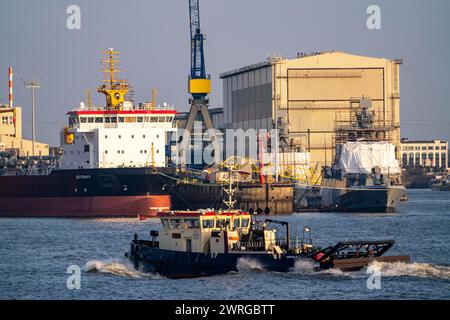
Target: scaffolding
{"points": [[362, 123]]}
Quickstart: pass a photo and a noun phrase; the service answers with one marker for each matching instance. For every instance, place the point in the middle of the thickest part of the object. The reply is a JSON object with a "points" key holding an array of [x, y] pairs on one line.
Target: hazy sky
{"points": [[153, 37]]}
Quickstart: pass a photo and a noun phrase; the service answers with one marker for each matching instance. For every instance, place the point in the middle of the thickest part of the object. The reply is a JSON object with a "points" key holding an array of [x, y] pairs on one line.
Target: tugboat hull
{"points": [[148, 258], [175, 264]]}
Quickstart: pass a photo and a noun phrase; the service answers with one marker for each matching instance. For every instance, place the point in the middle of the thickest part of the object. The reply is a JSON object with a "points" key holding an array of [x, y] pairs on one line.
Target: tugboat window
{"points": [[221, 223], [175, 223], [192, 223], [165, 223], [208, 223]]}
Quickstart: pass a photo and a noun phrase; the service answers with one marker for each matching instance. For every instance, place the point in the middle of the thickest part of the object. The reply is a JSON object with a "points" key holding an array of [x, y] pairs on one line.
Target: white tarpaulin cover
{"points": [[361, 157]]}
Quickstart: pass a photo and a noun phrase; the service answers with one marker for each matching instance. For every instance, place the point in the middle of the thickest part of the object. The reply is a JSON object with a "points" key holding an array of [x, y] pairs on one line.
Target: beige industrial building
{"points": [[431, 154], [311, 95], [11, 134]]}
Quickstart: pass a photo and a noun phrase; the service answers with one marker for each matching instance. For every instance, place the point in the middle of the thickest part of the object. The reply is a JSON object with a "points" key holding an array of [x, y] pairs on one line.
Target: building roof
{"points": [[422, 141], [246, 69], [300, 55]]}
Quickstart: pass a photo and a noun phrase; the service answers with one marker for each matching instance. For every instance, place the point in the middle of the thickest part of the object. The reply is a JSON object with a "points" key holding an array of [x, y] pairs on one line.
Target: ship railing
{"points": [[148, 243], [294, 243], [260, 245], [249, 246]]}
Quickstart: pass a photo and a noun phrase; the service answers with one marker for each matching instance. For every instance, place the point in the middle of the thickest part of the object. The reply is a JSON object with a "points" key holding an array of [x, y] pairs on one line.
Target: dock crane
{"points": [[199, 84]]}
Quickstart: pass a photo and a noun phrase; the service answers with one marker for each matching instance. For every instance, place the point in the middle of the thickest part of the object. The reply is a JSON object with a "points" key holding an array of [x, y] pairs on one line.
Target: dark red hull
{"points": [[84, 207]]}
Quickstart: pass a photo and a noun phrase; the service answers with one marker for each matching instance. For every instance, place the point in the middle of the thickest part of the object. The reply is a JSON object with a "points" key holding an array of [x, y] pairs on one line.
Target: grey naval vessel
{"points": [[365, 175]]}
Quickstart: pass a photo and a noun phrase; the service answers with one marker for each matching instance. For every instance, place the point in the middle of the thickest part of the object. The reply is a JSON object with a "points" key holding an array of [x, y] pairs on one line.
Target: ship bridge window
{"points": [[192, 223], [245, 222], [140, 119], [162, 119], [222, 223], [83, 119], [121, 119], [169, 119], [165, 223], [154, 119], [175, 223], [208, 223], [130, 119], [107, 120], [91, 120], [114, 119], [98, 120]]}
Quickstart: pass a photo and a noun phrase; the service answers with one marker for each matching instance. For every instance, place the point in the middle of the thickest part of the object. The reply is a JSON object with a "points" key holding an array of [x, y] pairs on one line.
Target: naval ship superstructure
{"points": [[113, 161], [365, 175]]}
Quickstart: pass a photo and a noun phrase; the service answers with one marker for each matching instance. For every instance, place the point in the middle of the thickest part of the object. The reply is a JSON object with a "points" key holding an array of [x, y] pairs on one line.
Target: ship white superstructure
{"points": [[116, 138]]}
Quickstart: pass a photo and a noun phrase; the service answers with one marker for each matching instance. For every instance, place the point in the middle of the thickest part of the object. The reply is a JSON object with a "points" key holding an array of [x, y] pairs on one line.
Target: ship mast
{"points": [[230, 165], [114, 89]]}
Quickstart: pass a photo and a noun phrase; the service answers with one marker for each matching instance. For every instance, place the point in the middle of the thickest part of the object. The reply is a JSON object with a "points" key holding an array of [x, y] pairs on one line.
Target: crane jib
{"points": [[198, 70]]}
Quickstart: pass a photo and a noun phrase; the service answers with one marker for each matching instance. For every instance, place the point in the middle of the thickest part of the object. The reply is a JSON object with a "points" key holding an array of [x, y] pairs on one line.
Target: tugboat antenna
{"points": [[230, 190]]}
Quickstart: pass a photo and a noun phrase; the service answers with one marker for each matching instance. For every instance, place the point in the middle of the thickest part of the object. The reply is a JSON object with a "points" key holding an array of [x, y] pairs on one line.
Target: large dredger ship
{"points": [[113, 162]]}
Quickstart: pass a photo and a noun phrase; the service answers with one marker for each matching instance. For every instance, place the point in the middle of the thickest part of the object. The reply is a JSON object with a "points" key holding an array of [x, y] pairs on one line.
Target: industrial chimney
{"points": [[10, 74]]}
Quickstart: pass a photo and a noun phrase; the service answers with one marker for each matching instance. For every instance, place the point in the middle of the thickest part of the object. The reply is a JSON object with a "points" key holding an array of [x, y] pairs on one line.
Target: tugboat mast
{"points": [[230, 165]]}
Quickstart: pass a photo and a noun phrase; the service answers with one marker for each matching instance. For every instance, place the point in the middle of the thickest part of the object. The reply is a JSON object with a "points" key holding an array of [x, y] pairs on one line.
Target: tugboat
{"points": [[207, 242]]}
